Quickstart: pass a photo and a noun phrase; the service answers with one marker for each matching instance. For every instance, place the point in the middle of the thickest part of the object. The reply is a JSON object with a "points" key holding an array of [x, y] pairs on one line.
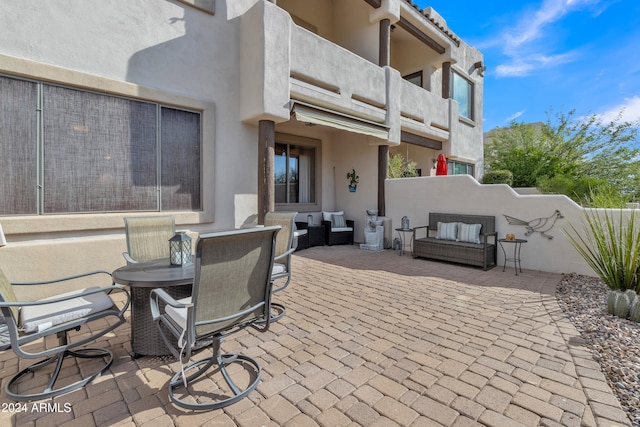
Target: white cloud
{"points": [[520, 42], [514, 116], [630, 111], [522, 66]]}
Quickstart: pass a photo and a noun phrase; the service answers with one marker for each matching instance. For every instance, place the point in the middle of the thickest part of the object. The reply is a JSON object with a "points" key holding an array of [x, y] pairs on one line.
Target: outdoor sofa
{"points": [[459, 238]]}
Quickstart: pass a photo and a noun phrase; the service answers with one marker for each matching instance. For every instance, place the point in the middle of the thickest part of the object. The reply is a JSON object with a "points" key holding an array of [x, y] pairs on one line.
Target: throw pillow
{"points": [[338, 221], [469, 232], [326, 216], [447, 231]]}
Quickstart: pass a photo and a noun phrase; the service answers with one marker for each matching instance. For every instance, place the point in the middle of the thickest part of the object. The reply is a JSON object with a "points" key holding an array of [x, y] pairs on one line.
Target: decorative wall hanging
{"points": [[540, 225], [353, 180]]}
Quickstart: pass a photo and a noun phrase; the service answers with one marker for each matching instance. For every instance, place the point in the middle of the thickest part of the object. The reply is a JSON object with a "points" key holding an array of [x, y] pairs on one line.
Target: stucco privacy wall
{"points": [[416, 197]]}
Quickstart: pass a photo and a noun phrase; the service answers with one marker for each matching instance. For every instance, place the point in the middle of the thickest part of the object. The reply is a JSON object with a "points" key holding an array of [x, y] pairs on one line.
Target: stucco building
{"points": [[215, 111]]}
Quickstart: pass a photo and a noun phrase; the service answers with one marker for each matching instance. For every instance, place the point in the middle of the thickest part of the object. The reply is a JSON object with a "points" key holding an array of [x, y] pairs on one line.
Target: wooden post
{"points": [[384, 53], [383, 150], [383, 168], [446, 80], [266, 179]]}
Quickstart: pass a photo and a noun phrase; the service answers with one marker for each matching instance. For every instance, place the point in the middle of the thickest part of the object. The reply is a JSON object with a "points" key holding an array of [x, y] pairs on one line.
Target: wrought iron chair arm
{"points": [[106, 289], [128, 258], [160, 294], [61, 279], [285, 254]]}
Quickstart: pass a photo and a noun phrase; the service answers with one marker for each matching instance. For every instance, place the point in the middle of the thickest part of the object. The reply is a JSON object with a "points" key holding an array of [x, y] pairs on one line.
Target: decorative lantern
{"points": [[310, 220], [180, 249], [405, 223]]}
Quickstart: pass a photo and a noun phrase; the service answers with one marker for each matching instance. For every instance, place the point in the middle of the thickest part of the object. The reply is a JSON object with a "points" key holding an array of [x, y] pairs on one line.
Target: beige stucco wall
{"points": [[161, 51]]}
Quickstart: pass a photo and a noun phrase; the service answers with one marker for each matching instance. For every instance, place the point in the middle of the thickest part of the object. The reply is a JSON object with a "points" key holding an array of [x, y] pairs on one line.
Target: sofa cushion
{"points": [[469, 232], [340, 229], [447, 231]]}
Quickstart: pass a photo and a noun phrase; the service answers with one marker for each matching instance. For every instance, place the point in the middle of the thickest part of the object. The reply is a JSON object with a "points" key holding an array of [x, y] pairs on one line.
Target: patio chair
{"points": [[231, 291], [27, 322], [285, 246], [338, 230], [148, 237]]}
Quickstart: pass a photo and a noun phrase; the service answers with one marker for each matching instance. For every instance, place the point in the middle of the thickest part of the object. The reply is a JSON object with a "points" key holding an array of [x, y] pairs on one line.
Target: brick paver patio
{"points": [[375, 339]]}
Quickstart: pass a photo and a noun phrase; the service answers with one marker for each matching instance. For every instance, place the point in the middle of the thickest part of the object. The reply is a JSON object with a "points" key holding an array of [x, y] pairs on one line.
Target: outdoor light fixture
{"points": [[479, 65], [180, 249], [405, 223]]}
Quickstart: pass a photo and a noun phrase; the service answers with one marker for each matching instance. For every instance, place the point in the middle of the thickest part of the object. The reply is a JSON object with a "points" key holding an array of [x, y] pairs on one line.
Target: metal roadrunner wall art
{"points": [[541, 225]]}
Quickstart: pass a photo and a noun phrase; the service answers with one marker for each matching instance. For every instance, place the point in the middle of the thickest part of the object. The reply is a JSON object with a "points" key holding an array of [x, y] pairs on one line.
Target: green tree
{"points": [[399, 168], [568, 148]]}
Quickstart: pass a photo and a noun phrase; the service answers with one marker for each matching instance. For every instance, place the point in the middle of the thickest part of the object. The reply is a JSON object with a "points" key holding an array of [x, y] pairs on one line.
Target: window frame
{"points": [[469, 104], [29, 225], [54, 116], [413, 76], [316, 144], [451, 164]]}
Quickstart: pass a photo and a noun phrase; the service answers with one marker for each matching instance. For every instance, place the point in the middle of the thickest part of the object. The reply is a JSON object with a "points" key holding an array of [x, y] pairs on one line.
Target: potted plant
{"points": [[353, 180]]}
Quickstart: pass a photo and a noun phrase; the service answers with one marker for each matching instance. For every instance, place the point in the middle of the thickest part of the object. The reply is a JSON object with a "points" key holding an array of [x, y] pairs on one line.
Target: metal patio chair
{"points": [[148, 237], [286, 245], [30, 321], [231, 291]]}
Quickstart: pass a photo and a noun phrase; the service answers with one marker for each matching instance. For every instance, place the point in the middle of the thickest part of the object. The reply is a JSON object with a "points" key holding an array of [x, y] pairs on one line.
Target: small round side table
{"points": [[403, 239], [517, 261]]}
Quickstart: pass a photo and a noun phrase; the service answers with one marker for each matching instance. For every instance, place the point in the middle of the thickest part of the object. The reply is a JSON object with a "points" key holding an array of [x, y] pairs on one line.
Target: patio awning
{"points": [[319, 116]]}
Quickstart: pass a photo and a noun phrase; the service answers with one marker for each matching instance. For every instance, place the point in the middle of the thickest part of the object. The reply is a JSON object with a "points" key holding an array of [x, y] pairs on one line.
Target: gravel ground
{"points": [[615, 342]]}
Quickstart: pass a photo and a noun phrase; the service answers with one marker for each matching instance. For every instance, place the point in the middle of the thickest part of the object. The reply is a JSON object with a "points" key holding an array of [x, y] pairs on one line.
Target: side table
{"points": [[517, 246], [316, 235], [403, 240]]}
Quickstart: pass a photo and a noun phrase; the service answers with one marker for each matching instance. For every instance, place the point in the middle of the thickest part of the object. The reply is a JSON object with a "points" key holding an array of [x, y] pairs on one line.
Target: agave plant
{"points": [[610, 244]]}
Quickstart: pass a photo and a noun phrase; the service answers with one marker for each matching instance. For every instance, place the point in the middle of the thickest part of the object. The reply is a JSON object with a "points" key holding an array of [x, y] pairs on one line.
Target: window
{"points": [[75, 151], [415, 78], [295, 176], [459, 168], [463, 94]]}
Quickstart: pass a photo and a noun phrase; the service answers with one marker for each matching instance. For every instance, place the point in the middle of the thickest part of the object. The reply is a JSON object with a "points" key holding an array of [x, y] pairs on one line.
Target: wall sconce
{"points": [[481, 66], [180, 249]]}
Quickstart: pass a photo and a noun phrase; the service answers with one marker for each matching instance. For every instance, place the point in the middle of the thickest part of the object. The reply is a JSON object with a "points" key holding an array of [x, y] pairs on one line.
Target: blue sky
{"points": [[552, 54]]}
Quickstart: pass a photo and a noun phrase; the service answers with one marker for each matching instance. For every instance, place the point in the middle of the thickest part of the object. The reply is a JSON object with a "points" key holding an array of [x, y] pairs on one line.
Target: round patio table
{"points": [[142, 278]]}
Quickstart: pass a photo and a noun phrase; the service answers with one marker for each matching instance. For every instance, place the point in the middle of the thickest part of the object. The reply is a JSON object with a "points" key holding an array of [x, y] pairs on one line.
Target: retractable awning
{"points": [[319, 116]]}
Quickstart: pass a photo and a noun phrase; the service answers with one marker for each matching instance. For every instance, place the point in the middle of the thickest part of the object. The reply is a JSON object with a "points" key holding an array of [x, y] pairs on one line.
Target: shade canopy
{"points": [[441, 166], [316, 115]]}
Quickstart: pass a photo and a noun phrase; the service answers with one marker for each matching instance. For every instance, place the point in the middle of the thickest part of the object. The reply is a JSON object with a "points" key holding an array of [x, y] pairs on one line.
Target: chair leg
{"points": [[14, 383], [277, 311], [201, 366]]}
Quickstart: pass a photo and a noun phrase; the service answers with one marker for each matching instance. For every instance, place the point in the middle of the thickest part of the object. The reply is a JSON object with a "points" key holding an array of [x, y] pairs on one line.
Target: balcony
{"points": [[282, 63]]}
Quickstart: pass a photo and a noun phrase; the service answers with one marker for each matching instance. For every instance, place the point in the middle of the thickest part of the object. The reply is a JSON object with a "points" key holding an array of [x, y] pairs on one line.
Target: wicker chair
{"points": [[338, 231], [148, 237], [27, 322], [285, 246], [232, 290]]}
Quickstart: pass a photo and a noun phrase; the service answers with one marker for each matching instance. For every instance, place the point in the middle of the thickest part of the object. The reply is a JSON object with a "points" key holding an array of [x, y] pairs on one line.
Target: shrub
{"points": [[399, 168], [498, 177], [610, 244]]}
